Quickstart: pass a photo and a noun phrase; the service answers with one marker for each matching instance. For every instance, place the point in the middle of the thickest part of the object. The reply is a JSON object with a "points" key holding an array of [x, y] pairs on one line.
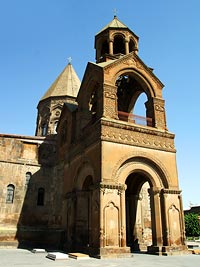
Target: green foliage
{"points": [[192, 226]]}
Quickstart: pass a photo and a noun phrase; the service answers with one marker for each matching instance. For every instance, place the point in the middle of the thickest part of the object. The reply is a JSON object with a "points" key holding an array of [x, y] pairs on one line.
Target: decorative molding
{"points": [[144, 158], [137, 137], [139, 64], [110, 95], [159, 108], [171, 191]]}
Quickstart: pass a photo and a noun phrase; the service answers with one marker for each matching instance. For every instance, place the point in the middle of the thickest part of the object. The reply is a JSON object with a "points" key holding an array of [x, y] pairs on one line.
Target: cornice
{"points": [[147, 137]]}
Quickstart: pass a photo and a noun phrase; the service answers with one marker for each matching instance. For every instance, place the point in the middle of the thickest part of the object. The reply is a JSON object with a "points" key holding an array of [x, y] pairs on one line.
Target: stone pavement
{"points": [[25, 258]]}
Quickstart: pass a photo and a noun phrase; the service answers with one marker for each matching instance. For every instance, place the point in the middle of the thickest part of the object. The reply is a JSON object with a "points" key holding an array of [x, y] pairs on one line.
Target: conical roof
{"points": [[67, 84], [115, 23]]}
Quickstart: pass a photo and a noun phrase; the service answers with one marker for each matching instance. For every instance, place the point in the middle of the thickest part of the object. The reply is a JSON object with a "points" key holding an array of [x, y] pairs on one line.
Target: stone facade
{"points": [[106, 183], [26, 166]]}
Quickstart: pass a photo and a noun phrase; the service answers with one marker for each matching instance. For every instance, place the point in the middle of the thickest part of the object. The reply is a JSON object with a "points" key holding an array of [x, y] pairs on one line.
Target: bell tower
{"points": [[113, 40], [64, 89], [117, 154]]}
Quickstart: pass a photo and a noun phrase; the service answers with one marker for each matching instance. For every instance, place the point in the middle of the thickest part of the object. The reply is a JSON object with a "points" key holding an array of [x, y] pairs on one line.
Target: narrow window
{"points": [[44, 129], [40, 199], [28, 177], [55, 127], [119, 45], [10, 193]]}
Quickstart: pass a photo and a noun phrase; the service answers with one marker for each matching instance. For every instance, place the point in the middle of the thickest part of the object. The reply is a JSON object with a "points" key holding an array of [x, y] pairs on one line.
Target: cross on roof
{"points": [[69, 60], [115, 12]]}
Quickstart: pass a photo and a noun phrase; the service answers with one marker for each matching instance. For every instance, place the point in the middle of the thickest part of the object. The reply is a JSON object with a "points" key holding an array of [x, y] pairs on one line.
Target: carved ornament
{"points": [[137, 138]]}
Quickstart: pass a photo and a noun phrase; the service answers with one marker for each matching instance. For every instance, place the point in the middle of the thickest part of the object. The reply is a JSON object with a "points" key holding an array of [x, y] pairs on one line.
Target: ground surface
{"points": [[25, 258]]}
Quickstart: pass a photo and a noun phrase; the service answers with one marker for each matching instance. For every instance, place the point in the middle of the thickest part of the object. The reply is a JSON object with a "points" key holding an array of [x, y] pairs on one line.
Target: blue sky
{"points": [[37, 37]]}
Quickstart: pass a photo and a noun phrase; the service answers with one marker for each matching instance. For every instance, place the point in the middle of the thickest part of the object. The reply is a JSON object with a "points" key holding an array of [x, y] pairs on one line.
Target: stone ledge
{"points": [[78, 256]]}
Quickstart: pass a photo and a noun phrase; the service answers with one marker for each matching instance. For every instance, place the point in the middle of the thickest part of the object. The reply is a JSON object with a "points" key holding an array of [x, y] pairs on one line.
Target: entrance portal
{"points": [[138, 213]]}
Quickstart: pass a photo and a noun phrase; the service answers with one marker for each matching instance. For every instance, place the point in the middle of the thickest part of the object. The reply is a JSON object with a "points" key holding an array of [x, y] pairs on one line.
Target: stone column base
{"points": [[168, 250], [110, 252]]}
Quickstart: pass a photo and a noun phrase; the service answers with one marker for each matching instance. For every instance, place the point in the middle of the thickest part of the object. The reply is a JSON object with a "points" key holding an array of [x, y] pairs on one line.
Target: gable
{"points": [[131, 63]]}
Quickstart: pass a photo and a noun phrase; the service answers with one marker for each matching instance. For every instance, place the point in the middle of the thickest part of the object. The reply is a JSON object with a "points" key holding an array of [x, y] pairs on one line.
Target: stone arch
{"points": [[150, 166], [145, 83], [84, 170], [117, 34]]}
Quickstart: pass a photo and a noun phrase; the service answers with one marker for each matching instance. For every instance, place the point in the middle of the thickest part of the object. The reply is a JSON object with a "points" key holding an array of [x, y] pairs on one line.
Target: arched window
{"points": [[44, 129], [132, 98], [131, 46], [119, 45], [139, 108], [40, 199], [10, 193], [55, 127], [28, 177]]}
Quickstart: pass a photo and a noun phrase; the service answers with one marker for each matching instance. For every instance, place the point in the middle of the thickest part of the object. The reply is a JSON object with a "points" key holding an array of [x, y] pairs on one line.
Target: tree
{"points": [[192, 226]]}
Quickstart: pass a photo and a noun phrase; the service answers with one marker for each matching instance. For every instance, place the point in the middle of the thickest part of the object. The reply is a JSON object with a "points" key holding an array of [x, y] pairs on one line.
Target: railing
{"points": [[124, 116]]}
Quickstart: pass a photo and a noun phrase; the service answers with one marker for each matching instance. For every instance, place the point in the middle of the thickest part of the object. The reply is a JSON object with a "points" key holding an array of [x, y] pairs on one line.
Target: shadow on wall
{"points": [[40, 221]]}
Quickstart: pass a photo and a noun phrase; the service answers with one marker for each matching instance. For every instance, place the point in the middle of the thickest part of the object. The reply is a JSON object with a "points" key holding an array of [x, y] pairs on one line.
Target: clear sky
{"points": [[37, 37]]}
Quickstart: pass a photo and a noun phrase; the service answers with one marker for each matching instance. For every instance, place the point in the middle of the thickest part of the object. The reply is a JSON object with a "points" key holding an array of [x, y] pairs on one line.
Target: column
{"points": [[123, 216], [166, 238], [182, 220], [126, 47], [101, 234], [111, 47], [156, 217]]}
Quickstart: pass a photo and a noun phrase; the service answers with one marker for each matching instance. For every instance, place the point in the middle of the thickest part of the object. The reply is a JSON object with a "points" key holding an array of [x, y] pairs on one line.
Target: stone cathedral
{"points": [[96, 177]]}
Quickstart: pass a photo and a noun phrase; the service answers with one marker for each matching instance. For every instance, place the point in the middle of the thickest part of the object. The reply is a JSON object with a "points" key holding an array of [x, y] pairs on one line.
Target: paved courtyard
{"points": [[25, 258]]}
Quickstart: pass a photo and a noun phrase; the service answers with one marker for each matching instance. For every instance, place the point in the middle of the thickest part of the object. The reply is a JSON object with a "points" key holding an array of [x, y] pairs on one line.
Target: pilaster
{"points": [[112, 220], [159, 113], [109, 102]]}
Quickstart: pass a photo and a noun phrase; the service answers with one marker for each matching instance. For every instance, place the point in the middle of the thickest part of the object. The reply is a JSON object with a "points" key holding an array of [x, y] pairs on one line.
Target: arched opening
{"points": [[131, 95], [138, 212], [119, 45], [139, 107], [87, 183], [104, 48], [55, 127], [84, 213], [44, 129], [28, 178], [131, 46], [139, 110]]}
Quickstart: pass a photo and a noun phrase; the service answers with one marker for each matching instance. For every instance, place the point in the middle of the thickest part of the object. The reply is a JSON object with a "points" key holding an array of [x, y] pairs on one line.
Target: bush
{"points": [[192, 227]]}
